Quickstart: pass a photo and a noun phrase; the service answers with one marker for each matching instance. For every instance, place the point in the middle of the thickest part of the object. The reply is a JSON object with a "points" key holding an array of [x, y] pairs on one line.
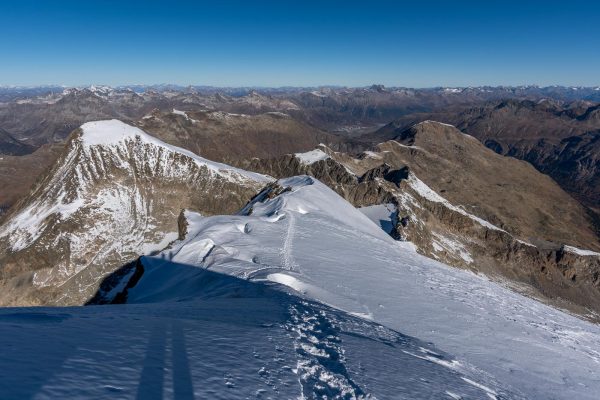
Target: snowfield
{"points": [[300, 295]]}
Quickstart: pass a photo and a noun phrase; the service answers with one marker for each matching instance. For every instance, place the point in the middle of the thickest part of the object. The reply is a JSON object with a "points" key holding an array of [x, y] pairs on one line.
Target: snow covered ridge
{"points": [[307, 240], [429, 121], [117, 133], [580, 252]]}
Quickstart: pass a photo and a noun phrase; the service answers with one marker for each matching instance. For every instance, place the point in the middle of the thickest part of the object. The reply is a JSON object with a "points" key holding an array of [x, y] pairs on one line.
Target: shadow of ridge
{"points": [[151, 280], [114, 287], [155, 280], [169, 281]]}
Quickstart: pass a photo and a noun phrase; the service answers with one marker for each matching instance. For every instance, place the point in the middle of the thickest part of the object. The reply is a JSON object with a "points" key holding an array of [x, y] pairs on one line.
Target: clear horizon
{"points": [[300, 44], [183, 85]]}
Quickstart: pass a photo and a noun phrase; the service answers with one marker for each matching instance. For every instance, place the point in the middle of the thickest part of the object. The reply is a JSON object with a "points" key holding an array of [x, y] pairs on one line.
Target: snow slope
{"points": [[383, 215], [301, 296], [341, 258]]}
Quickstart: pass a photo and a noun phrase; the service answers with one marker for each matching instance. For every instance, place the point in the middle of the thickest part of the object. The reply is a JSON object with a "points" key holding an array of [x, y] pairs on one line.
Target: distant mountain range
{"points": [[554, 128]]}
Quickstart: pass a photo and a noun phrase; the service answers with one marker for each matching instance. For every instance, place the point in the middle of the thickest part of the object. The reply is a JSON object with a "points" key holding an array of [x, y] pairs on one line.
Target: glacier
{"points": [[300, 295]]}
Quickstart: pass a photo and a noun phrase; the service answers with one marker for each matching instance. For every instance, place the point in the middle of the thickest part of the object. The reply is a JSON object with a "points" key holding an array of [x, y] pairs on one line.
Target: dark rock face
{"points": [[13, 147]]}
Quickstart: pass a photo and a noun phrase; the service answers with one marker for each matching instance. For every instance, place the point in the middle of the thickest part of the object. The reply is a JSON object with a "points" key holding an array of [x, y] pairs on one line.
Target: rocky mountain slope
{"points": [[19, 173], [115, 193], [560, 139], [461, 203], [554, 128], [11, 146], [229, 137]]}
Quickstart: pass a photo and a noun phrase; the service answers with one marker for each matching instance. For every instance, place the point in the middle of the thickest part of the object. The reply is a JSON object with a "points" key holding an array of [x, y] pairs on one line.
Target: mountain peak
{"points": [[112, 195], [430, 130], [109, 131], [117, 133]]}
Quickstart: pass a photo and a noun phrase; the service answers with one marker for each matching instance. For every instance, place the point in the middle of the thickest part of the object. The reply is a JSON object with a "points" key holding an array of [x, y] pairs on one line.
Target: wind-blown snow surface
{"points": [[388, 323]]}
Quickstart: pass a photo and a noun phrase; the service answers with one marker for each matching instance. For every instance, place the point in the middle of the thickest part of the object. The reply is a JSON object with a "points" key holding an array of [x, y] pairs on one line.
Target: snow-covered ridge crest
{"points": [[581, 252], [429, 121], [115, 132]]}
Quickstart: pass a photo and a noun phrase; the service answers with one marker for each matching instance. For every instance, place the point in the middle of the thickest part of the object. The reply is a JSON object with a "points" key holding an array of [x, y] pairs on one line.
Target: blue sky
{"points": [[295, 43]]}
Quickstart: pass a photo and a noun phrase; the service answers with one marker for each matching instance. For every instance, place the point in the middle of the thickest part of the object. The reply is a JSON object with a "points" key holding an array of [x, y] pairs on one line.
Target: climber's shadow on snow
{"points": [[151, 385]]}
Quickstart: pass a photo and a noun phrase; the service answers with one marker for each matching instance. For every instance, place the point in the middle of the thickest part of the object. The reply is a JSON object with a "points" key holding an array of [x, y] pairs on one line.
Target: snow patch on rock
{"points": [[425, 191], [581, 252], [184, 114], [311, 157]]}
